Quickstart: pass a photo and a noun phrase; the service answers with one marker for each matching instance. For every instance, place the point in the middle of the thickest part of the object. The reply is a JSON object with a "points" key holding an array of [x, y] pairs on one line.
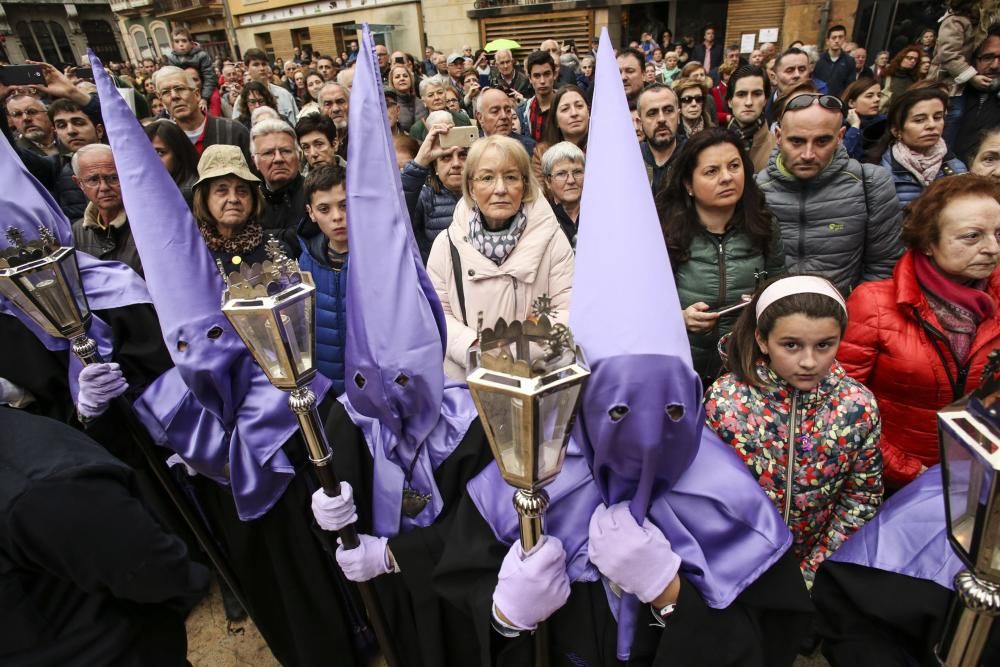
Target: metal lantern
{"points": [[41, 278], [527, 388], [969, 432], [272, 307]]}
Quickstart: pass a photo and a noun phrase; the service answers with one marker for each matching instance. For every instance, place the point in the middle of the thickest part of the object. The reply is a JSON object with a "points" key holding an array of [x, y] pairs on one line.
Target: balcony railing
{"points": [[125, 5]]}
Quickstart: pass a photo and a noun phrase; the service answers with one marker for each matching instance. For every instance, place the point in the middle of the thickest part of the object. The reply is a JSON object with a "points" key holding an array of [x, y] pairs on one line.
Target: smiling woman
{"points": [[228, 206]]}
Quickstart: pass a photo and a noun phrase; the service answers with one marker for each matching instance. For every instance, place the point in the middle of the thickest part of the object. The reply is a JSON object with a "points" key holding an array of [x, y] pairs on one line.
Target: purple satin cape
{"points": [[908, 535], [724, 529], [457, 413]]}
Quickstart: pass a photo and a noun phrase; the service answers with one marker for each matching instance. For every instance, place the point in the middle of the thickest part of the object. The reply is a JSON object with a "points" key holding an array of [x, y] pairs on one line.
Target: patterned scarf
{"points": [[245, 240], [496, 245], [691, 129], [924, 168], [959, 308], [747, 133]]}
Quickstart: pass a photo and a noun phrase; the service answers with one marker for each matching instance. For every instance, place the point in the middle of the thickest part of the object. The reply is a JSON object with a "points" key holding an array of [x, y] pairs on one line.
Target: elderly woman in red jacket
{"points": [[919, 340]]}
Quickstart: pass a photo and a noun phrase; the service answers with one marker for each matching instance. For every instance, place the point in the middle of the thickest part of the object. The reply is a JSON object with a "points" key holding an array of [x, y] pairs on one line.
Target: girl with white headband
{"points": [[807, 431]]}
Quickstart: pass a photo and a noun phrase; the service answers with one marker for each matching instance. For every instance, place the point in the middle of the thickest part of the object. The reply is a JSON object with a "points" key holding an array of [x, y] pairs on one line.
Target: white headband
{"points": [[798, 285]]}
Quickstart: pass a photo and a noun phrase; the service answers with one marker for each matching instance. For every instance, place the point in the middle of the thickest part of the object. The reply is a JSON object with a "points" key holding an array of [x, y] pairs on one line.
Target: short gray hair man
{"points": [[91, 149], [170, 70], [270, 126]]}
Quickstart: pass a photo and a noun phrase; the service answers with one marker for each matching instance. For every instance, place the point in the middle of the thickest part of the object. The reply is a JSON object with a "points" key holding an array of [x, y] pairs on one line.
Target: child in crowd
{"points": [[807, 431], [323, 238], [187, 53]]}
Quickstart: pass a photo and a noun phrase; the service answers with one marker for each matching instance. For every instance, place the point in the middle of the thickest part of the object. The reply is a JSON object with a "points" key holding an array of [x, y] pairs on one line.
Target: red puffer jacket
{"points": [[895, 346]]}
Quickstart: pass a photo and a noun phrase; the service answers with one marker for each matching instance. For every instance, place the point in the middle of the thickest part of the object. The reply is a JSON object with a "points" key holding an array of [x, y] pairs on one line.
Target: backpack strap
{"points": [[456, 267]]}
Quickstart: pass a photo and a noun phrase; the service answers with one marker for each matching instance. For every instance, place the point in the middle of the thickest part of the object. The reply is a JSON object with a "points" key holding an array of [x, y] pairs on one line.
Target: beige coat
{"points": [[541, 264], [760, 149]]}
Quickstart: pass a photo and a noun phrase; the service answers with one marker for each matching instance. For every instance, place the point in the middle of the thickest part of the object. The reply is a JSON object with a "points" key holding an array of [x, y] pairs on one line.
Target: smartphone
{"points": [[401, 60], [86, 73], [460, 135], [729, 309], [22, 75]]}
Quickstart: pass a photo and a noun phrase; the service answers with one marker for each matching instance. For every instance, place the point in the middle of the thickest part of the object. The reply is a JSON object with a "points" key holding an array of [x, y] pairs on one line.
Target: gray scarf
{"points": [[496, 245]]}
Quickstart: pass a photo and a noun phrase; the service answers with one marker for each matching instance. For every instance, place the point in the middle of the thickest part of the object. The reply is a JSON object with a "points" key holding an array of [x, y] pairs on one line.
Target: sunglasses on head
{"points": [[806, 100], [688, 99]]}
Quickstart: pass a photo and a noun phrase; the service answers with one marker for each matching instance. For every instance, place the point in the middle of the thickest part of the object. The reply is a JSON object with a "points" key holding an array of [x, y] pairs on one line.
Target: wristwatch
{"points": [[502, 628], [661, 614]]}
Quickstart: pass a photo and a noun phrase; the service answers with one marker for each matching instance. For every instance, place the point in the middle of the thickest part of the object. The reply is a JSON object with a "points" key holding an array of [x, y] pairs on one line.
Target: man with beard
{"points": [[180, 96], [32, 125], [334, 102], [747, 95], [982, 109], [659, 113]]}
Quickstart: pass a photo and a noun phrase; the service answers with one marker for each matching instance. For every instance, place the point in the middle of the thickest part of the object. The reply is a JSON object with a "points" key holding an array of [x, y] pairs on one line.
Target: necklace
{"points": [[414, 502]]}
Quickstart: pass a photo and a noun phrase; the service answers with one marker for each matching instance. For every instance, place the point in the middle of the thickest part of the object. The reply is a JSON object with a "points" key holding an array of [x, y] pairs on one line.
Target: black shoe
{"points": [[234, 610]]}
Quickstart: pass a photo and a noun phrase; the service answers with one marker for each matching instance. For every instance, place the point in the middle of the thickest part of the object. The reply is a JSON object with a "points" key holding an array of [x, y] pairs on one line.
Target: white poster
{"points": [[769, 35], [747, 42]]}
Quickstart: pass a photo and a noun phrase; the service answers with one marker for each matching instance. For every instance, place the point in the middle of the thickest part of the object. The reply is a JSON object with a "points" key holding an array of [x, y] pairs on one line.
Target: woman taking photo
{"points": [[572, 123], [254, 95], [410, 106], [807, 431], [509, 249], [865, 125], [919, 340], [914, 150], [177, 154], [695, 117], [563, 169], [721, 238], [228, 206], [901, 73]]}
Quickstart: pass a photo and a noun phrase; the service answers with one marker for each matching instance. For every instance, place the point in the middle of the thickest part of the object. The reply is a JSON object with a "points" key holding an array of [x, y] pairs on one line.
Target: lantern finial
{"points": [[266, 278]]}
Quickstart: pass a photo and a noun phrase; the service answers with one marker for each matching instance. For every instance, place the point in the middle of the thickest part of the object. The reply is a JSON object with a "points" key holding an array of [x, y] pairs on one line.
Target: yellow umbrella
{"points": [[498, 44]]}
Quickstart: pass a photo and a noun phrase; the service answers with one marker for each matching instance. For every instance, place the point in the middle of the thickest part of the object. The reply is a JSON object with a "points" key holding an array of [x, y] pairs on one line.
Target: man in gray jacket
{"points": [[838, 218]]}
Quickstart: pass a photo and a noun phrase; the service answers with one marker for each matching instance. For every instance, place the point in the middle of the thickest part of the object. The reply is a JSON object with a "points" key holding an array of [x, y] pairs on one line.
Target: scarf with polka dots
{"points": [[496, 245]]}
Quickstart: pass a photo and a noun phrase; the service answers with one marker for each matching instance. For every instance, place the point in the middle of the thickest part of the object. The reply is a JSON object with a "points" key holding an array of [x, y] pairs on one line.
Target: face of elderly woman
{"points": [[450, 167], [498, 188], [230, 203], [987, 160], [566, 181], [968, 246], [923, 125]]}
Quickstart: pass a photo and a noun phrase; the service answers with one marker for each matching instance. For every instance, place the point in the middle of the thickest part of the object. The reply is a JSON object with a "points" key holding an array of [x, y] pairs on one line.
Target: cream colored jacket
{"points": [[541, 264]]}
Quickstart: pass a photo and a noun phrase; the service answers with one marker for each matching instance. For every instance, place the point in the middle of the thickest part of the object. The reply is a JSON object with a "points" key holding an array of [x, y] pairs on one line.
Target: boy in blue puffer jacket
{"points": [[323, 237]]}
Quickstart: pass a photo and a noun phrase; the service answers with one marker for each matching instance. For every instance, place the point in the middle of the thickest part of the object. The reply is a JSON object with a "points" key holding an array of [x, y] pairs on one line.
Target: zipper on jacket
{"points": [[722, 272], [957, 384], [793, 428], [513, 282], [802, 226]]}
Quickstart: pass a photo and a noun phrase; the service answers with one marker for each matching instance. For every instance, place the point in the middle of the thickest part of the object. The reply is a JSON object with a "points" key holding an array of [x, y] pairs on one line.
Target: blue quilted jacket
{"points": [[908, 187], [331, 304]]}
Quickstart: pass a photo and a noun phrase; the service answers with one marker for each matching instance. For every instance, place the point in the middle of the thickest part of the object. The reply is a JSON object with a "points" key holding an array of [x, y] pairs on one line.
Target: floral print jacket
{"points": [[837, 480]]}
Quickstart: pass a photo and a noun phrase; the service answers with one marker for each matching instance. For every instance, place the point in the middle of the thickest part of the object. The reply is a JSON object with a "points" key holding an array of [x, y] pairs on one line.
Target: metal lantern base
{"points": [[969, 621]]}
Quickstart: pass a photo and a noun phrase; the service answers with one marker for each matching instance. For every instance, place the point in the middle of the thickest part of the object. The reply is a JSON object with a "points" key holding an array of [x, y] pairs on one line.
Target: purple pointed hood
{"points": [[396, 331], [641, 422], [29, 206], [210, 358]]}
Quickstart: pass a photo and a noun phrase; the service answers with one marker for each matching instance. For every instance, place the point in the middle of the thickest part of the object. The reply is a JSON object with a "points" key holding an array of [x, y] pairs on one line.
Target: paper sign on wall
{"points": [[769, 35], [747, 42]]}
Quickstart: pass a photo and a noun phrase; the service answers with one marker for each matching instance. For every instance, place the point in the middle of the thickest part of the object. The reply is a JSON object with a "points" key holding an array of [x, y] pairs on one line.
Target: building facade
{"points": [[146, 26], [58, 32]]}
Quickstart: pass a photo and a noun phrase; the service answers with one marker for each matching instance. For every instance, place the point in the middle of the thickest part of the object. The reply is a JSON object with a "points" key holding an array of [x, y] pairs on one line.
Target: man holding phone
{"points": [[505, 77]]}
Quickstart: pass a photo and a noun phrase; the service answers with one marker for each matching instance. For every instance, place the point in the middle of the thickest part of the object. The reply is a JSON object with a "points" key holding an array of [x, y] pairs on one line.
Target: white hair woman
{"points": [[503, 250], [562, 168]]}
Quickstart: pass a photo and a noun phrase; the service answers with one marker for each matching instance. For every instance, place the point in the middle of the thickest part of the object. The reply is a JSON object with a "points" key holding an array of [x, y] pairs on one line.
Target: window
{"points": [[263, 40], [300, 38], [28, 42], [141, 43], [62, 43], [162, 38]]}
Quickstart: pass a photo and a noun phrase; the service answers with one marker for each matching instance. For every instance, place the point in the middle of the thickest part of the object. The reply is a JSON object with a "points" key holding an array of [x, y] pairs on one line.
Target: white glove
{"points": [[334, 512]]}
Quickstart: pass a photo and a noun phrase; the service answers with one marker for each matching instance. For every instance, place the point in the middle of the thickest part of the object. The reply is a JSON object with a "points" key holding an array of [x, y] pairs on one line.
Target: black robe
{"points": [[429, 631], [305, 609], [875, 618], [764, 627]]}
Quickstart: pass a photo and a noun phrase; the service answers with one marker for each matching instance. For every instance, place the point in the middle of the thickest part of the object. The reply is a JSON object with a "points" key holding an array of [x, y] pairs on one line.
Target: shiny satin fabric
{"points": [[107, 285], [909, 535], [210, 358]]}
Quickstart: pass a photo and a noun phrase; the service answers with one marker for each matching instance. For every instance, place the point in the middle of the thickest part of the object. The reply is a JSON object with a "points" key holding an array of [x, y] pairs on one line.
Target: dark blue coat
{"points": [[430, 212], [331, 304], [908, 187]]}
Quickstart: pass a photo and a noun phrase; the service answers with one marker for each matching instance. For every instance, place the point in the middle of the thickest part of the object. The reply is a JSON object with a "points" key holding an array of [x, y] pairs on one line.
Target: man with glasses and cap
{"points": [[838, 218]]}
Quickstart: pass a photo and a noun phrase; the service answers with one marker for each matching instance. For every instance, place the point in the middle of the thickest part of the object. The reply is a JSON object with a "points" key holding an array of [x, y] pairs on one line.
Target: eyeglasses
{"points": [[285, 153], [94, 182], [491, 181], [688, 99], [562, 176], [988, 57], [30, 113], [255, 101], [174, 90], [806, 100]]}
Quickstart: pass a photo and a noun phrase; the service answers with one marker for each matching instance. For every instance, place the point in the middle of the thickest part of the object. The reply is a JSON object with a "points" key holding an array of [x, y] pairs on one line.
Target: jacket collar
{"points": [[777, 390], [91, 219], [908, 292]]}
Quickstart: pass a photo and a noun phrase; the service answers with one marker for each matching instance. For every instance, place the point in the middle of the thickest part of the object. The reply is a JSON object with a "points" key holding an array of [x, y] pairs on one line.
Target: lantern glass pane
{"points": [[46, 289], [503, 415], [71, 274], [968, 487], [297, 325], [8, 287], [258, 332], [555, 411]]}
